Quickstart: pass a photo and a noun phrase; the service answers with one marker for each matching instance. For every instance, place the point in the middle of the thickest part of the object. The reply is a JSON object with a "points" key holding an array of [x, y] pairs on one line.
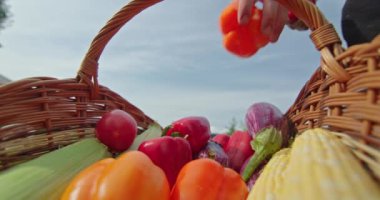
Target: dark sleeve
{"points": [[360, 21]]}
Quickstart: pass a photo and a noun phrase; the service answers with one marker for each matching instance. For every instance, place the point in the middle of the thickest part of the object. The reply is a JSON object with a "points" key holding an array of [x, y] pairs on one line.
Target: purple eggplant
{"points": [[262, 115], [214, 151]]}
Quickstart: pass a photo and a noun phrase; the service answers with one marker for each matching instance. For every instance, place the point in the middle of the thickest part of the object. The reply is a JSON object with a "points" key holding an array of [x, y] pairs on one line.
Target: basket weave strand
{"points": [[343, 93], [40, 114], [88, 69], [352, 106]]}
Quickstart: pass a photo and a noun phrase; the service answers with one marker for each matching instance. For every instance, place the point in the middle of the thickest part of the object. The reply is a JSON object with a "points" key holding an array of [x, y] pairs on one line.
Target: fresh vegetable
{"points": [[116, 129], [132, 176], [83, 186], [154, 131], [262, 115], [221, 139], [214, 151], [206, 179], [321, 166], [252, 180], [239, 149], [270, 181], [168, 153], [266, 143], [242, 40], [194, 128], [47, 176]]}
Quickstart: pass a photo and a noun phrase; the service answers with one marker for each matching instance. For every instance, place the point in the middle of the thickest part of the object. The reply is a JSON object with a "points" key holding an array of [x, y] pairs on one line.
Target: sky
{"points": [[169, 60]]}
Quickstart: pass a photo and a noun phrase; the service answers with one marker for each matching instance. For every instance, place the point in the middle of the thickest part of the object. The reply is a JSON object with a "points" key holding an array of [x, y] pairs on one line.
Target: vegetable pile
{"points": [[181, 161], [185, 161]]}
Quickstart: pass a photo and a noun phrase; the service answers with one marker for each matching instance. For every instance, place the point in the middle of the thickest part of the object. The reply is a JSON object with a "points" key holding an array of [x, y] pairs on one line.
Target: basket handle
{"points": [[323, 36], [88, 71]]}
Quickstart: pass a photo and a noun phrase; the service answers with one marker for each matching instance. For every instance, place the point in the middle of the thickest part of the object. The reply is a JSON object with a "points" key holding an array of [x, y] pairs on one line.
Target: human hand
{"points": [[274, 19]]}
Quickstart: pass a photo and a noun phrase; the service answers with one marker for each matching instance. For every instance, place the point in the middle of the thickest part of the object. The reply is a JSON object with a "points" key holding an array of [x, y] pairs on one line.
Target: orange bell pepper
{"points": [[242, 40], [207, 179], [131, 176], [83, 186]]}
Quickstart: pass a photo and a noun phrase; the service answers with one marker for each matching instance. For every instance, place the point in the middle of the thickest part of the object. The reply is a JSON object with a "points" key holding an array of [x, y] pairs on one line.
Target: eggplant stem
{"points": [[253, 163]]}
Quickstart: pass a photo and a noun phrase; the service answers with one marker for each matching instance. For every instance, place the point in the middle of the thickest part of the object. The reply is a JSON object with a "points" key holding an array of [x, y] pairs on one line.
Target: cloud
{"points": [[168, 60]]}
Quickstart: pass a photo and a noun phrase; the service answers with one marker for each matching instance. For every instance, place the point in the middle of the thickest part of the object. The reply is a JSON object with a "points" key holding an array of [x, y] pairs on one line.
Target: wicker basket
{"points": [[343, 94], [40, 114]]}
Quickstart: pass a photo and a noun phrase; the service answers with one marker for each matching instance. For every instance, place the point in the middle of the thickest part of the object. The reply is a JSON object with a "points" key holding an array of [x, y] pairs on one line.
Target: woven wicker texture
{"points": [[40, 114], [343, 93]]}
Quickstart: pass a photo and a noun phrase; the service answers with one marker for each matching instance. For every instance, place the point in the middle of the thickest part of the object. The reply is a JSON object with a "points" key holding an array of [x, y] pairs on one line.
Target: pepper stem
{"points": [[166, 129]]}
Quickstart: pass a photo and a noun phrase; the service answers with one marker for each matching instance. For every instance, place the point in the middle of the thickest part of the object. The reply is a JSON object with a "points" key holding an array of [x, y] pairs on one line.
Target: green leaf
{"points": [[154, 131]]}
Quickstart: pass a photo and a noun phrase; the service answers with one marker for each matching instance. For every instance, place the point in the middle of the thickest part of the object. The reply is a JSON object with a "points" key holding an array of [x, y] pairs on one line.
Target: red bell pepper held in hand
{"points": [[242, 40], [168, 153], [206, 179], [239, 149], [195, 129], [83, 186]]}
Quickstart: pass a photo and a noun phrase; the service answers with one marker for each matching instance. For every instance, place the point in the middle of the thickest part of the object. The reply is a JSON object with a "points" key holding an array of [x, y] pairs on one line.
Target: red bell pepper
{"points": [[221, 139], [206, 179], [239, 149], [195, 129], [168, 153]]}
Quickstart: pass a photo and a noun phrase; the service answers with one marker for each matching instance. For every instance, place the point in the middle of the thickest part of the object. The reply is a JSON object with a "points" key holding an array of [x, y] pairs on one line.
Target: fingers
{"points": [[274, 18], [244, 10]]}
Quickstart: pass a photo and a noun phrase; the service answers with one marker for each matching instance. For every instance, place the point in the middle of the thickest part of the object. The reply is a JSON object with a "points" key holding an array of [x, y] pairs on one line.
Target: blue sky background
{"points": [[169, 60]]}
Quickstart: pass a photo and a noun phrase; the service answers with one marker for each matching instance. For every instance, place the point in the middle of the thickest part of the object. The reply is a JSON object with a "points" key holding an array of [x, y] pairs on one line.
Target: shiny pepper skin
{"points": [[83, 186], [239, 149], [168, 153], [195, 129], [206, 179], [132, 175]]}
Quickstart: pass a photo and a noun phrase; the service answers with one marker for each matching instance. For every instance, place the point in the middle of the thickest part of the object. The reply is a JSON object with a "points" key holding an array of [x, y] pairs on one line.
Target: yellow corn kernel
{"points": [[322, 167], [270, 180]]}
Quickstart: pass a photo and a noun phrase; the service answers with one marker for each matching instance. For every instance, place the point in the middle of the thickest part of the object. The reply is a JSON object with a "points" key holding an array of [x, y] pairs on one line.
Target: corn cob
{"points": [[47, 176], [270, 180], [322, 167]]}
